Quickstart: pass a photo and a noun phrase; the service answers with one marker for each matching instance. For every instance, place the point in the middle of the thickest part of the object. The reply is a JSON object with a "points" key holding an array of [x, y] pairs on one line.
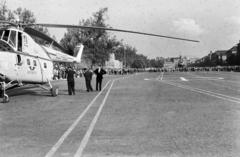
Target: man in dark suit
{"points": [[99, 73], [88, 78], [70, 80]]}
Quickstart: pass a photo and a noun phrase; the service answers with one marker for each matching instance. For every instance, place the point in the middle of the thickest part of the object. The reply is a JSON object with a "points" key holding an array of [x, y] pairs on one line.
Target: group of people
{"points": [[88, 73]]}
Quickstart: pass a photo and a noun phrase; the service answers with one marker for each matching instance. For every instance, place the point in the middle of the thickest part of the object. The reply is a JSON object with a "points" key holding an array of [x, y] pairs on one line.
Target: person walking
{"points": [[70, 74], [88, 78], [99, 76]]}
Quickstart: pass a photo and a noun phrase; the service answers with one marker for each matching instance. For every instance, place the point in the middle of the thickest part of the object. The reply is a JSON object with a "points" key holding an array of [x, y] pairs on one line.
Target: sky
{"points": [[215, 23]]}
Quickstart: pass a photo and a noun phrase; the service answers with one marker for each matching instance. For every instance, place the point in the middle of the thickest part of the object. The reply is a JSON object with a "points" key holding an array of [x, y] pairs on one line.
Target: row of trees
{"points": [[98, 44], [234, 58], [230, 57]]}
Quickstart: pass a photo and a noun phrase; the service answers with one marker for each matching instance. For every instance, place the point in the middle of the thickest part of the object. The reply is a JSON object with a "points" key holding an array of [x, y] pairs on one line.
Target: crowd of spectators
{"points": [[185, 69], [59, 71]]}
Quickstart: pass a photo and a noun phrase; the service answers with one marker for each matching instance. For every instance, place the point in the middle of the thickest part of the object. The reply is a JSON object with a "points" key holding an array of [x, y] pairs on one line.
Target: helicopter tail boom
{"points": [[78, 55], [58, 56]]}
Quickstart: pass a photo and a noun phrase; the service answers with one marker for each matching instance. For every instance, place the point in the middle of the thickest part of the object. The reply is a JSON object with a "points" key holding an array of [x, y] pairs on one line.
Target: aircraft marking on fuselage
{"points": [[32, 67]]}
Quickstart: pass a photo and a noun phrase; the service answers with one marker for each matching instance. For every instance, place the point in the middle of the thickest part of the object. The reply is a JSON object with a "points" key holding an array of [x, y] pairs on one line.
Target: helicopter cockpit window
{"points": [[12, 39], [1, 33], [9, 40], [5, 35]]}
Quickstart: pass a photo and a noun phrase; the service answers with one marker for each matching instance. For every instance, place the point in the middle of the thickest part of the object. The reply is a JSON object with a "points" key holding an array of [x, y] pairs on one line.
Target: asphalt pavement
{"points": [[172, 114]]}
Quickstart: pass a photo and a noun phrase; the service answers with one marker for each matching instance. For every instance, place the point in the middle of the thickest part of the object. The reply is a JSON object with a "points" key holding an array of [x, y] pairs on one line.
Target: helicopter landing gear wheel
{"points": [[54, 91], [5, 98]]}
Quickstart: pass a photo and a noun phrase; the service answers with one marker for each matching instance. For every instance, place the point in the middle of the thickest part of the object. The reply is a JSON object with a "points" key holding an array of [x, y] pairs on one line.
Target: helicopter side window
{"points": [[19, 60], [28, 62], [34, 63], [5, 35], [45, 65], [19, 41]]}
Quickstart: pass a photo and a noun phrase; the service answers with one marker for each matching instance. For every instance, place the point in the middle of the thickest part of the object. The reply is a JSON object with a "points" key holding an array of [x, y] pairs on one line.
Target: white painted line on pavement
{"points": [[70, 129], [217, 95], [183, 79], [86, 137], [219, 78], [202, 90], [162, 76]]}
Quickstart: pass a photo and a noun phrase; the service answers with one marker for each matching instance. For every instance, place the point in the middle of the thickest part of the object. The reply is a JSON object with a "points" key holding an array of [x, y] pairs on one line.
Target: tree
{"points": [[156, 63], [25, 15], [97, 43], [5, 13]]}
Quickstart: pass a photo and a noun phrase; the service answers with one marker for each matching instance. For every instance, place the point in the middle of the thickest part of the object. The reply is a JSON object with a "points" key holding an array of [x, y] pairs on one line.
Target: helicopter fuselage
{"points": [[25, 68], [22, 59]]}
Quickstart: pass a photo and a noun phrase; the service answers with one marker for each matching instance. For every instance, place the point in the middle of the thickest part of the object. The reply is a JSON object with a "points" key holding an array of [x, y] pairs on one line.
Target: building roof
{"points": [[220, 52]]}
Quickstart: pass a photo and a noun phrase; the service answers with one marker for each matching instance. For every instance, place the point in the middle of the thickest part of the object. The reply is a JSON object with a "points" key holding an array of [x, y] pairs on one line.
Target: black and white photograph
{"points": [[111, 78]]}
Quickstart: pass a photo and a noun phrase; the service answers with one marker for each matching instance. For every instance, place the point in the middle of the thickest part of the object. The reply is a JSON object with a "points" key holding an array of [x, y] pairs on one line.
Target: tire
{"points": [[5, 98], [54, 91]]}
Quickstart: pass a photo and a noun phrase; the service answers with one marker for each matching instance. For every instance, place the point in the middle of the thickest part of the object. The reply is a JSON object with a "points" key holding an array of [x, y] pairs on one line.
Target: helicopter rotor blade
{"points": [[7, 23], [111, 29]]}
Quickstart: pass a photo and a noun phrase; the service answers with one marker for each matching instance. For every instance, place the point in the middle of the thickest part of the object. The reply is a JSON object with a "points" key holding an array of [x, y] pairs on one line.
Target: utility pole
{"points": [[124, 57]]}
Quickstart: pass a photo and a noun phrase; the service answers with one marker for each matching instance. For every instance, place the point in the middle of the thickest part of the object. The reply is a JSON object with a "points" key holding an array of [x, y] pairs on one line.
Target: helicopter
{"points": [[24, 61]]}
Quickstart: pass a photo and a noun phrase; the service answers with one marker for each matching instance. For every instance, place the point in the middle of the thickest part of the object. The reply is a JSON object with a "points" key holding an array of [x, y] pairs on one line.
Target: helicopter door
{"points": [[19, 63], [19, 59]]}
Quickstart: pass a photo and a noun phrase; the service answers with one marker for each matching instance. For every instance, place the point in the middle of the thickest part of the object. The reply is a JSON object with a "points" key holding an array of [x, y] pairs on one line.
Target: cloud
{"points": [[187, 26], [233, 24], [234, 20]]}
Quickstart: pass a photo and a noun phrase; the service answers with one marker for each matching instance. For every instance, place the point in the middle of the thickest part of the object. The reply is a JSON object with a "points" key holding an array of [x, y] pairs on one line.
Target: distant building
{"points": [[112, 63], [169, 63], [232, 51], [219, 57], [192, 60], [174, 62], [233, 55]]}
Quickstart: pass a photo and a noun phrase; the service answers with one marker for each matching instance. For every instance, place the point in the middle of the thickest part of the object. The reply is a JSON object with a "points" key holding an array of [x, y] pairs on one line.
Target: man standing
{"points": [[70, 80], [99, 73], [88, 78]]}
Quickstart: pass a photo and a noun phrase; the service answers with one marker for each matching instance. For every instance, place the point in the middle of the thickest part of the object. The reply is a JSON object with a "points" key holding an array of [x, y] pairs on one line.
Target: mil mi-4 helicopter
{"points": [[24, 61]]}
